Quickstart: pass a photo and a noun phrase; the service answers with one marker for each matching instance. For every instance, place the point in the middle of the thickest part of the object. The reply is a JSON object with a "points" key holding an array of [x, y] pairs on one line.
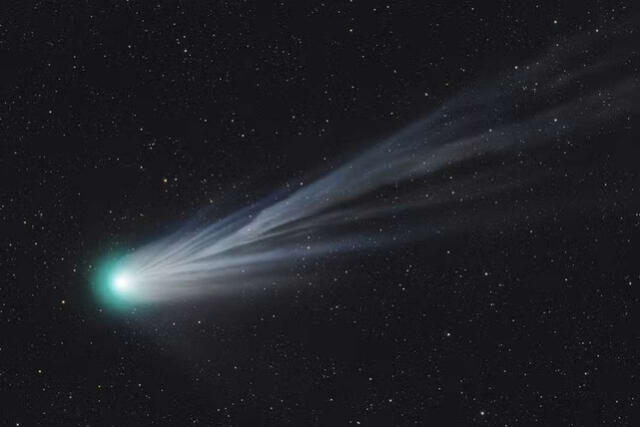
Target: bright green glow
{"points": [[112, 286], [122, 283]]}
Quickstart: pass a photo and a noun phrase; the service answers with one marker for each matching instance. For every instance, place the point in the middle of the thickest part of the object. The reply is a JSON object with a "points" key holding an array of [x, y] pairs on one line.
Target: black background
{"points": [[120, 119]]}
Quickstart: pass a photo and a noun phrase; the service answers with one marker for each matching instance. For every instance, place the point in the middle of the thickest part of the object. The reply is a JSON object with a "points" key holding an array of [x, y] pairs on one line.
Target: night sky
{"points": [[121, 120]]}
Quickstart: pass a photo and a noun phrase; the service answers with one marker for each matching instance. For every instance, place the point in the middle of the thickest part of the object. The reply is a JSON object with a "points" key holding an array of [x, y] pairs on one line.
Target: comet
{"points": [[396, 190]]}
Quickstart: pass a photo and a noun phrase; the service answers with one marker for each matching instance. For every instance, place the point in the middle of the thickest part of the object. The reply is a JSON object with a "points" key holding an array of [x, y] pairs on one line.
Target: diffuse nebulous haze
{"points": [[563, 98]]}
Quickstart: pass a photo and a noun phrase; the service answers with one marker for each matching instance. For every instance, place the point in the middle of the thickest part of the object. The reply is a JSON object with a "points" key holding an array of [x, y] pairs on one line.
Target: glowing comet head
{"points": [[122, 283], [115, 285]]}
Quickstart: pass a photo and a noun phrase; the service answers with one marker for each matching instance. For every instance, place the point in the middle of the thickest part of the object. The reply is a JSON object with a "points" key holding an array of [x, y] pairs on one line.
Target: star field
{"points": [[121, 121]]}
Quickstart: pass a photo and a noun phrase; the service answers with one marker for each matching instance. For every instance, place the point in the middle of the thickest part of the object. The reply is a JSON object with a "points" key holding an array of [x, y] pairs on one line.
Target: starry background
{"points": [[119, 120]]}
